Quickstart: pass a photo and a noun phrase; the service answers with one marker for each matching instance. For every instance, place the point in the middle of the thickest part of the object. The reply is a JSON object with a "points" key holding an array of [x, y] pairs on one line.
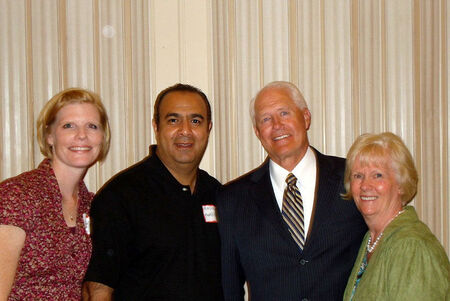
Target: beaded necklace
{"points": [[371, 248]]}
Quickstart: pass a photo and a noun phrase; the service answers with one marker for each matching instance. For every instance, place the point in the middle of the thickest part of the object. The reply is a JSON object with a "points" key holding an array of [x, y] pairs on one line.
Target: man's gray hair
{"points": [[292, 89]]}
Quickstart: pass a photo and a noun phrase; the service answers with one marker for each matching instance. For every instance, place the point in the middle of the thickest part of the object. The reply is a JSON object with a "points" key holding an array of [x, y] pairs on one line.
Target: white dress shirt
{"points": [[305, 172]]}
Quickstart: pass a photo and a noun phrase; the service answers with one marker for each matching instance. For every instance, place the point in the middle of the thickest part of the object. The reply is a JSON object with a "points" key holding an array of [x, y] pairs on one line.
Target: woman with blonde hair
{"points": [[399, 258], [44, 223]]}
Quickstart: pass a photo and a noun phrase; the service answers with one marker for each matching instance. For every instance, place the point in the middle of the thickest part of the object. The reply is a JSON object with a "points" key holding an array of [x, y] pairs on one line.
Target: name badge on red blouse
{"points": [[209, 213], [87, 223]]}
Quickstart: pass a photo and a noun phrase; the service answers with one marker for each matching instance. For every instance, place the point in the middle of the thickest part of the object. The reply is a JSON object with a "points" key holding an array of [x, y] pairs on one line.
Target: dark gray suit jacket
{"points": [[257, 246]]}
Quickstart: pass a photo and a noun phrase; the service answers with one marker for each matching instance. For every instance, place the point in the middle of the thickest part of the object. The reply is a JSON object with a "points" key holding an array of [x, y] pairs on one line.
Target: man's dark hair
{"points": [[180, 88]]}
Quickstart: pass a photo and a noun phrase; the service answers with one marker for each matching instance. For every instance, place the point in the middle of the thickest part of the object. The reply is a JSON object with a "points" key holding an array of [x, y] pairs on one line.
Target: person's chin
{"points": [[283, 152], [82, 165], [184, 157], [185, 160], [368, 212], [83, 162]]}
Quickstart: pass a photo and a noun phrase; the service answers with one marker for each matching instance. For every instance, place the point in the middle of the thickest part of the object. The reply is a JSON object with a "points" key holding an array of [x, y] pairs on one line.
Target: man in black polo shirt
{"points": [[154, 226]]}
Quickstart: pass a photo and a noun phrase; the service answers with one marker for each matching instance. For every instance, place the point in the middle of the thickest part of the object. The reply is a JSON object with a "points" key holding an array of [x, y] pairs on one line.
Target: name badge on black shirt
{"points": [[209, 213]]}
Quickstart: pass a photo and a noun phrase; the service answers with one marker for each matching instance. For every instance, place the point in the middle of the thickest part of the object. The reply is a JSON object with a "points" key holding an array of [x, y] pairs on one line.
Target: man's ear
{"points": [[255, 129], [307, 116], [209, 126], [154, 125]]}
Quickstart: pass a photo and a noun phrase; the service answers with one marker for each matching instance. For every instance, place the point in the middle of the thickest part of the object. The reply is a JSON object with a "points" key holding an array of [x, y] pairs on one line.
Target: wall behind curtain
{"points": [[363, 66]]}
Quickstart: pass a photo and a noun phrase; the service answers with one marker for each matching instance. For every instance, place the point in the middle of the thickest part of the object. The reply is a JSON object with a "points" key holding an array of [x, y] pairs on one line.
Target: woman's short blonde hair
{"points": [[70, 96], [379, 149]]}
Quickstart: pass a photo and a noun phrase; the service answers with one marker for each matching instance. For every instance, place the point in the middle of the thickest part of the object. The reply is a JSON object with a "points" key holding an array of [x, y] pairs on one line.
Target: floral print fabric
{"points": [[54, 257]]}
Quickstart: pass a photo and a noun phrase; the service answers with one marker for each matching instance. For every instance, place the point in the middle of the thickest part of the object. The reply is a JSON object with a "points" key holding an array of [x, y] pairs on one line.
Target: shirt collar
{"points": [[163, 172], [301, 171]]}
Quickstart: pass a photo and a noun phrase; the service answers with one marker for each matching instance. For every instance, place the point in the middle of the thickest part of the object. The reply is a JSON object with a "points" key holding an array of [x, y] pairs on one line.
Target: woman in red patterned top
{"points": [[44, 223]]}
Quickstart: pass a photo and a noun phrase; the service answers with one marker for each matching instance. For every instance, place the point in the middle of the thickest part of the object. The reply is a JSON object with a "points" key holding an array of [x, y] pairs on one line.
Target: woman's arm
{"points": [[419, 271], [94, 291], [12, 240]]}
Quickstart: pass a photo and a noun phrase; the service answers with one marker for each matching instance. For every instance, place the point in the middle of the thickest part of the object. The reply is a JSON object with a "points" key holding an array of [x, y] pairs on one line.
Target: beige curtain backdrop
{"points": [[363, 65]]}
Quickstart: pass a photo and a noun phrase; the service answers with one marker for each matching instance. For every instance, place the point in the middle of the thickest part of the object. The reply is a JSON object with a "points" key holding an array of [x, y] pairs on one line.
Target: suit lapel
{"points": [[328, 186], [262, 194]]}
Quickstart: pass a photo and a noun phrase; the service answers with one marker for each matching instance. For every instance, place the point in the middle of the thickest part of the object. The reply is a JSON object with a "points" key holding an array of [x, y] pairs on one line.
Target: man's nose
{"points": [[276, 122], [185, 127]]}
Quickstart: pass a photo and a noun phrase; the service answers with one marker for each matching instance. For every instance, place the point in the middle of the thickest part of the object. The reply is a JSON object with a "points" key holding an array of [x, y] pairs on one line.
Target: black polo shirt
{"points": [[151, 240]]}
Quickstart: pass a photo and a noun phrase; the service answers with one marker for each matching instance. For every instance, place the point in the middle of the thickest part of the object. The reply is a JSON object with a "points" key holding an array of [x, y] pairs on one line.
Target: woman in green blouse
{"points": [[399, 258]]}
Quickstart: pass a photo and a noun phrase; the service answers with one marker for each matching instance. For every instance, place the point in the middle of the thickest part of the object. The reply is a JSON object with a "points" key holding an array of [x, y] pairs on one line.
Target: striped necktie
{"points": [[292, 211]]}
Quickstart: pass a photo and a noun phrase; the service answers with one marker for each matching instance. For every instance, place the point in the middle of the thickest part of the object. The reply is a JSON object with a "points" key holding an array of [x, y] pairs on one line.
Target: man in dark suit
{"points": [[287, 244]]}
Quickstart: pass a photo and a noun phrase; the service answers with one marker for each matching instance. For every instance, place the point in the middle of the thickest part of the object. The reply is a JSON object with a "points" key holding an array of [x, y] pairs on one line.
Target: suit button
{"points": [[303, 262]]}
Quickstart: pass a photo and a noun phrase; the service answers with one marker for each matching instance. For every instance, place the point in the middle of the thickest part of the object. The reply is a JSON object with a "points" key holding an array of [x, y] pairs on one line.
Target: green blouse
{"points": [[408, 263]]}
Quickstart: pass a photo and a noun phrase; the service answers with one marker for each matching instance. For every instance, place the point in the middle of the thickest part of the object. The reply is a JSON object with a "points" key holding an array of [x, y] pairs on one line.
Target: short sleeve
{"points": [[110, 237], [15, 207], [420, 271]]}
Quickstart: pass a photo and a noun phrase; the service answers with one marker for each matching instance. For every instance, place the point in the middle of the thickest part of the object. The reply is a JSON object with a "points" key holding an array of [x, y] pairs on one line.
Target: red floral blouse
{"points": [[55, 257]]}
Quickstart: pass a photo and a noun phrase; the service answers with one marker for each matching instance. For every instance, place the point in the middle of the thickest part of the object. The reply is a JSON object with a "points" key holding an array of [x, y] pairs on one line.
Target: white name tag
{"points": [[209, 213], [87, 223]]}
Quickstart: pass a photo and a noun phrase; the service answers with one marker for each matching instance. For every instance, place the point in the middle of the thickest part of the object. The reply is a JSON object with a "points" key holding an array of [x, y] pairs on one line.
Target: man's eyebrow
{"points": [[197, 115], [177, 115], [172, 115]]}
